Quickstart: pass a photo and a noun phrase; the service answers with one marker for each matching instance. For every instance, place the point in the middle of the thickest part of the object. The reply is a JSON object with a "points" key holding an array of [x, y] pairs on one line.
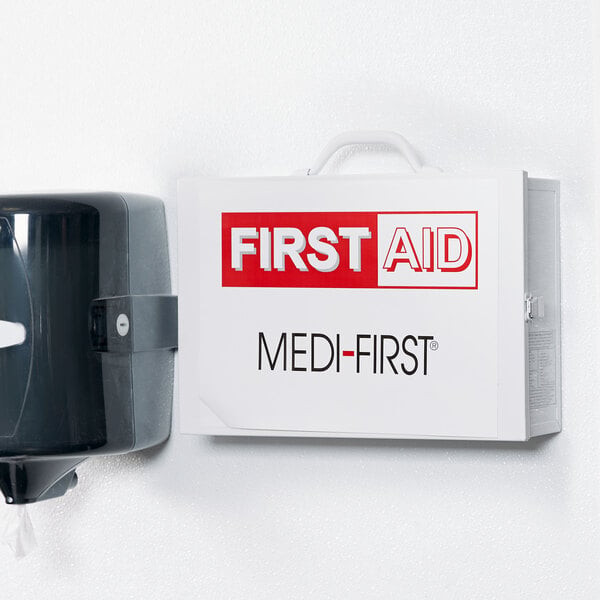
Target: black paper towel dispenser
{"points": [[87, 331]]}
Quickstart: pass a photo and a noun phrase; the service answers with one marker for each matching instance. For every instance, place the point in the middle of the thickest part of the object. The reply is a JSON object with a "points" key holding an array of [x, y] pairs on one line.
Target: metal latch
{"points": [[534, 307]]}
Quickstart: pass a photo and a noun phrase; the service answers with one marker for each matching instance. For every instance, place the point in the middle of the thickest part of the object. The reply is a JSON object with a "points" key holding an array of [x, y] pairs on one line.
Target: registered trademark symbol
{"points": [[434, 345]]}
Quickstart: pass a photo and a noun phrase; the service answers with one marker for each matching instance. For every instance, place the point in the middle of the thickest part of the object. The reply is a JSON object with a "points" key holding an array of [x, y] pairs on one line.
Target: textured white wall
{"points": [[133, 95]]}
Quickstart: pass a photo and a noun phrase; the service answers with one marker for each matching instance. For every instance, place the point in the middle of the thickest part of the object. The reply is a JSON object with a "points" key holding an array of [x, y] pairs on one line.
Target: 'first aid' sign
{"points": [[350, 250]]}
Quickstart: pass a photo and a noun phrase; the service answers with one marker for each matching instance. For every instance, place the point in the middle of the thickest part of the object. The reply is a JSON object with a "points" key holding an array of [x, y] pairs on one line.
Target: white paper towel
{"points": [[18, 532]]}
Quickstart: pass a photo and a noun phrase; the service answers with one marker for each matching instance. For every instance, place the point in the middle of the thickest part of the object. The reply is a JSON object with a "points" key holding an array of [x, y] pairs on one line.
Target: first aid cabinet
{"points": [[424, 305]]}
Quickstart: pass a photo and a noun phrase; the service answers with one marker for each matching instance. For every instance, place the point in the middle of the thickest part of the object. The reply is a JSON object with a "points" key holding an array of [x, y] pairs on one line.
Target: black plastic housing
{"points": [[88, 277]]}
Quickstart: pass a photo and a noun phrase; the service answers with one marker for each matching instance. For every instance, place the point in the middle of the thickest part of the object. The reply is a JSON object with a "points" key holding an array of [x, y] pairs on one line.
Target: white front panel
{"points": [[407, 350]]}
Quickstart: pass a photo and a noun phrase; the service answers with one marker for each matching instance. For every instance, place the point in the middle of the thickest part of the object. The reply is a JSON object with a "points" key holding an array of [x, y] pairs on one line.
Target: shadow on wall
{"points": [[532, 446]]}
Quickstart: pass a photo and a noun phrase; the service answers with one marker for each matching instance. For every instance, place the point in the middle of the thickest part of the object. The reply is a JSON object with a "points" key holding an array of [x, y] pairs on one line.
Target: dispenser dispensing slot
{"points": [[11, 334]]}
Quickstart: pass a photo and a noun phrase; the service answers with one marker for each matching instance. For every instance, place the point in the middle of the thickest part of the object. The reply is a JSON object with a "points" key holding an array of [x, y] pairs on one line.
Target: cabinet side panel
{"points": [[544, 338]]}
